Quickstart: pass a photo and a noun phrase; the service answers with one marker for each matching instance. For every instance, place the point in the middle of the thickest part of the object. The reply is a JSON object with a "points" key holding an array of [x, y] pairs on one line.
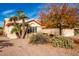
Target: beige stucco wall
{"points": [[39, 29], [8, 33], [34, 24], [54, 31], [7, 30], [68, 32]]}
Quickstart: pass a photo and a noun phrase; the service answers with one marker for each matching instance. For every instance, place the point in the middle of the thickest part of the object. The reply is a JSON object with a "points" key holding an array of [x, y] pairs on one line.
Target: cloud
{"points": [[7, 12]]}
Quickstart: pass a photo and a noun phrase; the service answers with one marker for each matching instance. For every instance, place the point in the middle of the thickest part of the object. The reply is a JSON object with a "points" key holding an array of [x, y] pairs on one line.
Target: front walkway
{"points": [[20, 47]]}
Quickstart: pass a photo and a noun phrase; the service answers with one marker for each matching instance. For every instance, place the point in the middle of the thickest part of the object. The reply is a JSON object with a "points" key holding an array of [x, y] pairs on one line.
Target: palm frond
{"points": [[13, 18], [16, 28]]}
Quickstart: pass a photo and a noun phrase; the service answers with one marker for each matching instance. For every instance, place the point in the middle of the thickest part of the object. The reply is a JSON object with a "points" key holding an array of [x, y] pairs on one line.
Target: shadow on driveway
{"points": [[5, 43]]}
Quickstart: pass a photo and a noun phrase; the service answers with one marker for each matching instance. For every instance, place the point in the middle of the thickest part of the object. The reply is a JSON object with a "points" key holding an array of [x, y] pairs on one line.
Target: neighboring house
{"points": [[34, 27]]}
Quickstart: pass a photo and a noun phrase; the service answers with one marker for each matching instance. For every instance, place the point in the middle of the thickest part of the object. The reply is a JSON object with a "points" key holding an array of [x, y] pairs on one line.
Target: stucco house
{"points": [[34, 27]]}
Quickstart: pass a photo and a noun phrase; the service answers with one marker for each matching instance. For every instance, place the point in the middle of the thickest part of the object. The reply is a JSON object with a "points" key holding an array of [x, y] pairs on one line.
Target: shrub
{"points": [[63, 42], [76, 40], [1, 31], [51, 35], [38, 38]]}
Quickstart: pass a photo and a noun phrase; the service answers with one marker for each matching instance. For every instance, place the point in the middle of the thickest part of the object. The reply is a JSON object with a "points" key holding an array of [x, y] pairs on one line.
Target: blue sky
{"points": [[9, 9], [32, 10]]}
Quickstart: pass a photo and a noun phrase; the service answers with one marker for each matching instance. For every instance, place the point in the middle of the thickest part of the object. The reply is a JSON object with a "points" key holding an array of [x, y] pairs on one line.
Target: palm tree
{"points": [[26, 30], [22, 17], [16, 29], [13, 18]]}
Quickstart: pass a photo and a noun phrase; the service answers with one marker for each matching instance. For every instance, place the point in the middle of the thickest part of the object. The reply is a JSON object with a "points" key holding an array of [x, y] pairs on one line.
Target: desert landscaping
{"points": [[21, 47], [54, 33]]}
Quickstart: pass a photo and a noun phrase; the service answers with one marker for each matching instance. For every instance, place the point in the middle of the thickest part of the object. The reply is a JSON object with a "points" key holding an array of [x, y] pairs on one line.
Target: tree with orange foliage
{"points": [[60, 17]]}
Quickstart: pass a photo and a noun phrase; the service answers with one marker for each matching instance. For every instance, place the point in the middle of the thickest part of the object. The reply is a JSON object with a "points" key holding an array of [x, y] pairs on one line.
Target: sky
{"points": [[32, 10]]}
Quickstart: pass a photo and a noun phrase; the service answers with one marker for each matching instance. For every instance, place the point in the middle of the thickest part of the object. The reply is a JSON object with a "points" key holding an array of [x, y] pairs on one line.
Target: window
{"points": [[32, 29]]}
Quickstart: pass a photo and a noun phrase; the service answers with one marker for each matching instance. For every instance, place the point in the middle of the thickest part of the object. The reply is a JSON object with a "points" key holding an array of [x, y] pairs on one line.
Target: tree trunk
{"points": [[23, 28], [18, 33], [4, 28], [60, 29], [25, 33], [14, 22]]}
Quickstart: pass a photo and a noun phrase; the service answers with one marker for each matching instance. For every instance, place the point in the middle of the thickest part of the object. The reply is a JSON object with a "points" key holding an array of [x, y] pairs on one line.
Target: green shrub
{"points": [[38, 38], [1, 27], [63, 42], [1, 32]]}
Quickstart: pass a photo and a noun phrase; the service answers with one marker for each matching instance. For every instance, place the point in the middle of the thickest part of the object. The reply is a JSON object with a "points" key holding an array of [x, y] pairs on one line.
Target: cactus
{"points": [[63, 42]]}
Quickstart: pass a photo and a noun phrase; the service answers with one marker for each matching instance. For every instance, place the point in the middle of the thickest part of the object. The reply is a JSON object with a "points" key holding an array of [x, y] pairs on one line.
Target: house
{"points": [[34, 27]]}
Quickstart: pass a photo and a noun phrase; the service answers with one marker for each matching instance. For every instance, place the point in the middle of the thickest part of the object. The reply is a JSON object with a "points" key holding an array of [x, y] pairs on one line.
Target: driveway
{"points": [[21, 47]]}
